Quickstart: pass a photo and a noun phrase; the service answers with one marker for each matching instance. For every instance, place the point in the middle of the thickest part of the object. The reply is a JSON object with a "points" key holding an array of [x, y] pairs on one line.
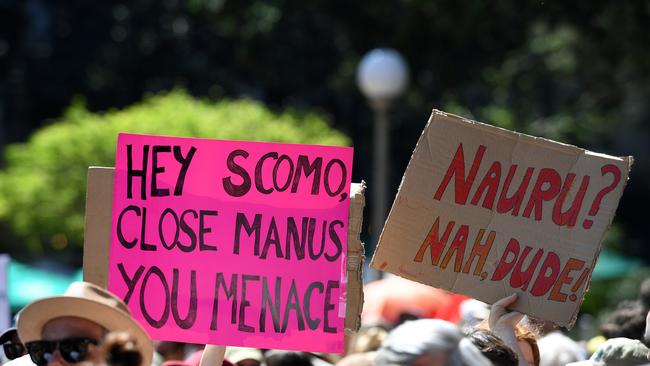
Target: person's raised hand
{"points": [[503, 322], [212, 355], [500, 317]]}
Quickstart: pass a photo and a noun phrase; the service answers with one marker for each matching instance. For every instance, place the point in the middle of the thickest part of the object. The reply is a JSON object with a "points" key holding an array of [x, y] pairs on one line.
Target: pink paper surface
{"points": [[161, 279]]}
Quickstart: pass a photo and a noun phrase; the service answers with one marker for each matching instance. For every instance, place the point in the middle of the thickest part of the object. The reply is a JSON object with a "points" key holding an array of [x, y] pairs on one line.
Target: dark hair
{"points": [[120, 350], [628, 320], [286, 358], [493, 348], [525, 332]]}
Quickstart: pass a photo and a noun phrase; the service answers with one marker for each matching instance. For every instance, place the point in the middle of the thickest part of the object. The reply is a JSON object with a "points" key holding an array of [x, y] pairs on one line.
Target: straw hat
{"points": [[87, 301]]}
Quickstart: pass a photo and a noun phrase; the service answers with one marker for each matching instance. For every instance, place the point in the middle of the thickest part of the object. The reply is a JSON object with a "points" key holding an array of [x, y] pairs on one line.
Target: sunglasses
{"points": [[72, 350], [13, 350]]}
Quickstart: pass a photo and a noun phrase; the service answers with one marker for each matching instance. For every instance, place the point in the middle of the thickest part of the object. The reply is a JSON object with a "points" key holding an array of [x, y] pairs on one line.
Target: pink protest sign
{"points": [[232, 242]]}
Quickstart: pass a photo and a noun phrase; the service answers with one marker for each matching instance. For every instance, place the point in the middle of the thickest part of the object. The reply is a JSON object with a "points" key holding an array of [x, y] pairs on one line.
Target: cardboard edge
{"points": [[355, 259], [97, 230], [560, 146]]}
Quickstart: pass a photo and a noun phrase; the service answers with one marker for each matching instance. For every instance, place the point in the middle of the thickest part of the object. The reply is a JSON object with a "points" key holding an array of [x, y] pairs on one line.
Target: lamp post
{"points": [[382, 76]]}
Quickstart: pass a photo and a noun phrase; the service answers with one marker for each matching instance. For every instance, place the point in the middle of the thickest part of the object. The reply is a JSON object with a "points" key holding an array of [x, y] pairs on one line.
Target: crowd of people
{"points": [[89, 325]]}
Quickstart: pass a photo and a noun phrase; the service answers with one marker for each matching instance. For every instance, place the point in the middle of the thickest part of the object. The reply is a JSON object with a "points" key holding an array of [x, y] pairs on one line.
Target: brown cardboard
{"points": [[99, 200], [97, 234], [456, 255], [355, 258]]}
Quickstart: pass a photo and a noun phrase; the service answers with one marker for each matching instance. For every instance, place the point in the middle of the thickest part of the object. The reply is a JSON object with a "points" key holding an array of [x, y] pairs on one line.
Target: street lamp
{"points": [[382, 76]]}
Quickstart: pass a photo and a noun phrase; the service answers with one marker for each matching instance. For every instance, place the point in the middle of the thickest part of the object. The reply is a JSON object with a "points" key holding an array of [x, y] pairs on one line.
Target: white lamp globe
{"points": [[382, 74]]}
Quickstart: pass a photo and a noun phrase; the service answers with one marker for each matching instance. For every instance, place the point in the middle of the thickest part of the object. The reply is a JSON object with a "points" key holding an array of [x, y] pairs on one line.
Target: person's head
{"points": [[493, 348], [358, 359], [170, 350], [542, 327], [11, 344], [286, 358], [628, 321], [428, 342], [617, 351], [556, 349], [68, 329], [243, 356]]}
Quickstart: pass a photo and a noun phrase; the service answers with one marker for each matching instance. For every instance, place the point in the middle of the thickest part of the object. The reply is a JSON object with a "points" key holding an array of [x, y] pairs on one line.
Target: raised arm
{"points": [[212, 355], [503, 322]]}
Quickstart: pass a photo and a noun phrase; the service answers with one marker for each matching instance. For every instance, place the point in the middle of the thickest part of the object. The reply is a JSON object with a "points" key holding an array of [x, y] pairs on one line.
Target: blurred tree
{"points": [[574, 71], [42, 187]]}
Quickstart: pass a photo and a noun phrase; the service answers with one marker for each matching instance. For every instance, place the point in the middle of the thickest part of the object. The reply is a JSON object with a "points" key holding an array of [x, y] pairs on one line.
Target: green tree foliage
{"points": [[574, 71], [42, 187]]}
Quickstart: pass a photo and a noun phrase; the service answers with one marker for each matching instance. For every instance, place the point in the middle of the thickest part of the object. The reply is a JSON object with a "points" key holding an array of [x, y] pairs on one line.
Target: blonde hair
{"points": [[530, 336], [524, 333]]}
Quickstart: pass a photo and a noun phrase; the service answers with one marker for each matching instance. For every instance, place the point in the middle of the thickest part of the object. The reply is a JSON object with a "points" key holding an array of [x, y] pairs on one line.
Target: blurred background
{"points": [[73, 73]]}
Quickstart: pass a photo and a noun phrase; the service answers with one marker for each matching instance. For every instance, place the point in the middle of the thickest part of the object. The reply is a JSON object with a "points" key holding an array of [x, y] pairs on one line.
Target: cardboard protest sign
{"points": [[487, 212], [231, 242]]}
